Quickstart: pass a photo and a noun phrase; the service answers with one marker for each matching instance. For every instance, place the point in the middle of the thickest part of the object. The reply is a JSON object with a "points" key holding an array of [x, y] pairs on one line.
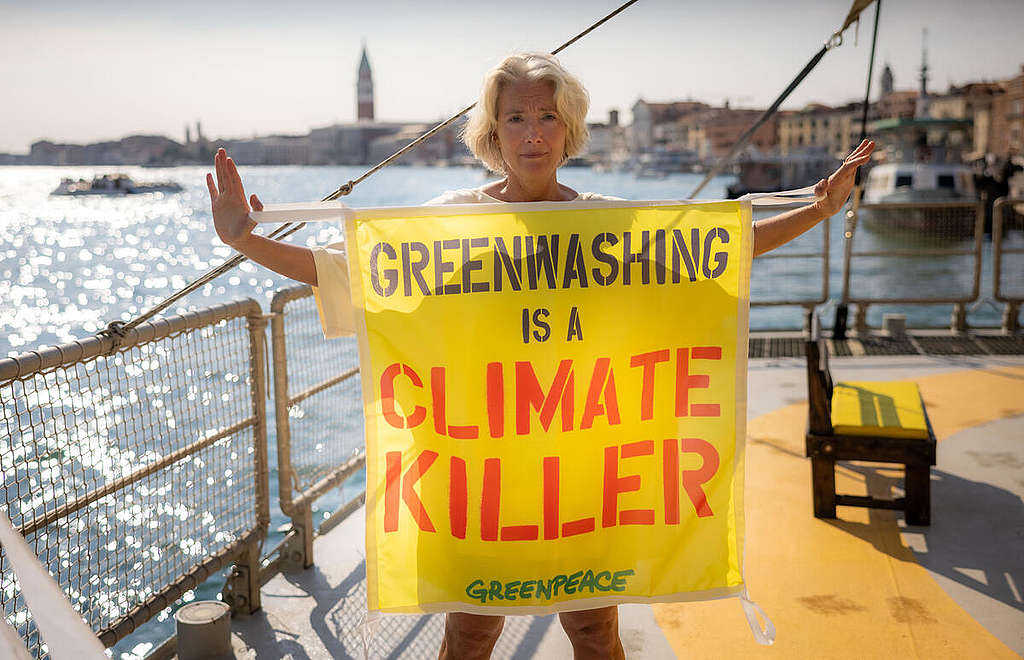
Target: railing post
{"points": [[860, 323], [959, 320], [1010, 312], [298, 551], [1011, 304], [242, 589]]}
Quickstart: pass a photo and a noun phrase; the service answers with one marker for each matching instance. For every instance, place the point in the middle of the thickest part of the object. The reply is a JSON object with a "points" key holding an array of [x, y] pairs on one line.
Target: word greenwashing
{"points": [[537, 590]]}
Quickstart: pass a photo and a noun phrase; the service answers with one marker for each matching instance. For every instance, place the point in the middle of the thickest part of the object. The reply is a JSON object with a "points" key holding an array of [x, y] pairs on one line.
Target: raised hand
{"points": [[227, 199], [834, 191]]}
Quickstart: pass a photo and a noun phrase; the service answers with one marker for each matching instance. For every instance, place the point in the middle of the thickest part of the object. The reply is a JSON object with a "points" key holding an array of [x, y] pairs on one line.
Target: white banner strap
{"points": [[335, 211], [61, 627], [783, 197], [764, 636]]}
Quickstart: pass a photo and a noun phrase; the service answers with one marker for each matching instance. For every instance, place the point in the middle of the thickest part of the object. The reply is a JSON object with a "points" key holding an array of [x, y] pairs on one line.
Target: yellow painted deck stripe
{"points": [[847, 588]]}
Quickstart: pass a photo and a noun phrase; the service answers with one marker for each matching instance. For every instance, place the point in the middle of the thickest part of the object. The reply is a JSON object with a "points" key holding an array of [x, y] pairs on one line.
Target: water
{"points": [[70, 265]]}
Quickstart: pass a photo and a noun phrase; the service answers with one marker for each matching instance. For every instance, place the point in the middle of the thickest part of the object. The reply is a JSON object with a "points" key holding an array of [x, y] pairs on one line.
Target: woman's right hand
{"points": [[227, 198]]}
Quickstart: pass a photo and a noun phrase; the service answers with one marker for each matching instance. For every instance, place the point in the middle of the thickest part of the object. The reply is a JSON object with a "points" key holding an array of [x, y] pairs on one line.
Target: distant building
{"points": [[921, 110], [652, 122], [607, 141], [972, 101], [134, 149], [272, 150], [837, 130], [442, 148], [346, 144], [1008, 118], [364, 89], [724, 126], [887, 80]]}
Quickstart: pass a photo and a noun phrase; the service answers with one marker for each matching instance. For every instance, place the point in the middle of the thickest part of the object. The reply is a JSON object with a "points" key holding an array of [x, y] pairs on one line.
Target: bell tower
{"points": [[364, 89]]}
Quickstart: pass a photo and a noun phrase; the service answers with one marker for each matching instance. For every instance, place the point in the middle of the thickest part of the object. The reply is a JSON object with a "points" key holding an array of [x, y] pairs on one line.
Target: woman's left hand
{"points": [[833, 192]]}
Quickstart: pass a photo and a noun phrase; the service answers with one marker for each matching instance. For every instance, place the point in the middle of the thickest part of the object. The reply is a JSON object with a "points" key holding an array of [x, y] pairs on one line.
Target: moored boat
{"points": [[112, 185], [924, 174]]}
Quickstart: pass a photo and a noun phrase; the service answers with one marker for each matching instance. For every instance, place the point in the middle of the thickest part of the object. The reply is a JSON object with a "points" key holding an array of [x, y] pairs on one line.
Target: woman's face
{"points": [[530, 133]]}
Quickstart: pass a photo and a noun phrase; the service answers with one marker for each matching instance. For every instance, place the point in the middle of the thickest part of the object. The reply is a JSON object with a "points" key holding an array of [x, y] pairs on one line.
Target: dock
{"points": [[864, 585]]}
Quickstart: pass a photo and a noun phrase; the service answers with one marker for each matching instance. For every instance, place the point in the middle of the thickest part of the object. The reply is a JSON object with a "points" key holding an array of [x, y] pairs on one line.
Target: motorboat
{"points": [[112, 185], [923, 173], [919, 182]]}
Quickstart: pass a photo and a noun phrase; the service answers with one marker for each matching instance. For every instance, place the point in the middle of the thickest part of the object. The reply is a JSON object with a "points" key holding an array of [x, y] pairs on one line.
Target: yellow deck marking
{"points": [[847, 588]]}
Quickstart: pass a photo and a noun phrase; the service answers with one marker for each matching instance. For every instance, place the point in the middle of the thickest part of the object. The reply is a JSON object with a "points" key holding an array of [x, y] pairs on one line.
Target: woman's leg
{"points": [[469, 636], [594, 633]]}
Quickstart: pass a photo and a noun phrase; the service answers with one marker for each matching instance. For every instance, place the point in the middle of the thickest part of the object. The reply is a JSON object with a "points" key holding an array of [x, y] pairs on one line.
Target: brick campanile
{"points": [[364, 89]]}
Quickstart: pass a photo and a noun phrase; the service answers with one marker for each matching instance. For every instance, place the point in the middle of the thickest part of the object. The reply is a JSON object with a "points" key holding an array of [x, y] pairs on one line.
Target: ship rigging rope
{"points": [[834, 41], [117, 329]]}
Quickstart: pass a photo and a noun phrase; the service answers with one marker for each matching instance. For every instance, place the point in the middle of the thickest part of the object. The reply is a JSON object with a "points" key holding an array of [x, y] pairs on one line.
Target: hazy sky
{"points": [[85, 71]]}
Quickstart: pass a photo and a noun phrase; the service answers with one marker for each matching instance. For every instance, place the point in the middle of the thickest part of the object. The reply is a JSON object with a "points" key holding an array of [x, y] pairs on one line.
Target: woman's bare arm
{"points": [[833, 192], [234, 226]]}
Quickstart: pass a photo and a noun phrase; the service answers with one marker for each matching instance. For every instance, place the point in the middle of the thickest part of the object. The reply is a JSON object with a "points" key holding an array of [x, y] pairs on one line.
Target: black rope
{"points": [[867, 92], [118, 328], [839, 324]]}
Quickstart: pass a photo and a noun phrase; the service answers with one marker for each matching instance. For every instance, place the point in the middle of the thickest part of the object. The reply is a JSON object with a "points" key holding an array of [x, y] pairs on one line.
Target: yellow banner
{"points": [[555, 403]]}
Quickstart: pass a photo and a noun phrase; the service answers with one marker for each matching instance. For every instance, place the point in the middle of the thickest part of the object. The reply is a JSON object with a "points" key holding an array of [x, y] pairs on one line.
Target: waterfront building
{"points": [[836, 129], [134, 149], [972, 101], [724, 126], [652, 122], [887, 80], [364, 89], [608, 142], [346, 144], [272, 150], [1007, 133]]}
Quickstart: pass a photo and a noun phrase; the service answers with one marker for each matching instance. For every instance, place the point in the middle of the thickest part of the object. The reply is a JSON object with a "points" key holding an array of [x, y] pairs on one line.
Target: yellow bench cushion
{"points": [[888, 409]]}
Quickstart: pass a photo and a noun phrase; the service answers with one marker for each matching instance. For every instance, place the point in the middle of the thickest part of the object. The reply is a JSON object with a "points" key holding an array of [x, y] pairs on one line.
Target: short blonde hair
{"points": [[571, 102]]}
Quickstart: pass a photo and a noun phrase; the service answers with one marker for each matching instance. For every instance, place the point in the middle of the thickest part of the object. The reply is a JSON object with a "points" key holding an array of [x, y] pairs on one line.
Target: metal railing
{"points": [[941, 242], [1007, 273], [315, 385], [801, 278], [137, 471]]}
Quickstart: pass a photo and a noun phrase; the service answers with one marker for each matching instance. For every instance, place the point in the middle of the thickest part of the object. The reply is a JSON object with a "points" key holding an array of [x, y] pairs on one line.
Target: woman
{"points": [[529, 121]]}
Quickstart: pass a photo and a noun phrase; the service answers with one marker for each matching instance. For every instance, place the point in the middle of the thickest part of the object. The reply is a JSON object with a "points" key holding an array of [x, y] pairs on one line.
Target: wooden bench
{"points": [[877, 421]]}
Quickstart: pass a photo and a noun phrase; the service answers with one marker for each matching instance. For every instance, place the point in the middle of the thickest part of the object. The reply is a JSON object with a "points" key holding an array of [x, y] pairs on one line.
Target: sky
{"points": [[87, 71]]}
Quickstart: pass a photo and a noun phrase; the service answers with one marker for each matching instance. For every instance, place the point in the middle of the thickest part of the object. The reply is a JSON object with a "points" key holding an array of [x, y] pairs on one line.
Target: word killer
{"points": [[401, 479]]}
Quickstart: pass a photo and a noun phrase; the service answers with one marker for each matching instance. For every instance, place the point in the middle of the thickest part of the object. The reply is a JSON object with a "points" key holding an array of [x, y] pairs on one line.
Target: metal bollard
{"points": [[204, 630]]}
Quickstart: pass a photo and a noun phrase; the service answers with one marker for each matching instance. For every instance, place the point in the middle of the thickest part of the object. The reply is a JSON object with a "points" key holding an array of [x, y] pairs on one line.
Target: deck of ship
{"points": [[862, 586]]}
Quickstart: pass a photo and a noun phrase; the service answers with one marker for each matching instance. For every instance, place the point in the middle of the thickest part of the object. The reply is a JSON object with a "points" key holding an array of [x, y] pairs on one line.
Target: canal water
{"points": [[69, 265]]}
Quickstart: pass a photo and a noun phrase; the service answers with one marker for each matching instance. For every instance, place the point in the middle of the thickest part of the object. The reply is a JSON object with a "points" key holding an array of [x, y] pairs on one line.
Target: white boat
{"points": [[112, 185], [919, 182], [922, 166]]}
